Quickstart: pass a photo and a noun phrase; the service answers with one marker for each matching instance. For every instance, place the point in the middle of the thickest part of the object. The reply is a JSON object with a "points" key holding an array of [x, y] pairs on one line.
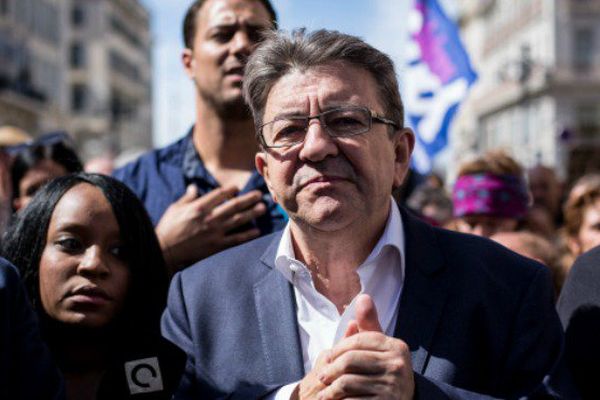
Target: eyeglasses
{"points": [[287, 131]]}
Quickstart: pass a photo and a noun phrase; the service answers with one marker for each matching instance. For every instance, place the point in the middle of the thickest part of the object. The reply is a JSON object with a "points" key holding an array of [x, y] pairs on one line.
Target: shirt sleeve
{"points": [[283, 393]]}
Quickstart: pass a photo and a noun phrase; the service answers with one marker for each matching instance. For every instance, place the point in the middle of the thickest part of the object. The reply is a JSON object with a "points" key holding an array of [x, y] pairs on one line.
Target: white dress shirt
{"points": [[319, 322]]}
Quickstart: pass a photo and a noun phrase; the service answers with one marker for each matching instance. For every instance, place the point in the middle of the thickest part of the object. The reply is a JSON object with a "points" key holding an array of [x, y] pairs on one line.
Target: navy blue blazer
{"points": [[26, 367], [478, 318]]}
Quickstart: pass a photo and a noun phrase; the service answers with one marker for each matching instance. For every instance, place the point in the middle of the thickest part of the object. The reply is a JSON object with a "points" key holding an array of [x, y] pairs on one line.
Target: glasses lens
{"points": [[285, 131], [348, 122]]}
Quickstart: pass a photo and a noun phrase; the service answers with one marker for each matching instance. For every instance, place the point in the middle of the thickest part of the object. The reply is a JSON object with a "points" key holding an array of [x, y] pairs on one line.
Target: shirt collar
{"points": [[194, 169], [192, 166], [393, 237]]}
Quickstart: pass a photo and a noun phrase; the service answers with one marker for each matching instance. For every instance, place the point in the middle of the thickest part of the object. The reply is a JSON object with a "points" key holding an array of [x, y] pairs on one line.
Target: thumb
{"points": [[191, 193], [352, 329], [366, 314]]}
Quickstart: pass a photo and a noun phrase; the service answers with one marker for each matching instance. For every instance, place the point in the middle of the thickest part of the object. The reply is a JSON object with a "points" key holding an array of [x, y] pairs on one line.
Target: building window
{"points": [[126, 32], [121, 106], [77, 16], [22, 13], [45, 77], [77, 55], [584, 49], [78, 97], [588, 120], [121, 65], [4, 7]]}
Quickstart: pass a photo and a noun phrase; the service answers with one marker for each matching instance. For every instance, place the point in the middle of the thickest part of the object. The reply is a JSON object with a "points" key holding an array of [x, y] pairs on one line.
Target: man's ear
{"points": [[260, 161], [187, 59], [404, 143]]}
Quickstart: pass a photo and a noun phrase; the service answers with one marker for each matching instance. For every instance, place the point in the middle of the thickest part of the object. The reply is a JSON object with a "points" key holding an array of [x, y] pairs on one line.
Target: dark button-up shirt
{"points": [[160, 177]]}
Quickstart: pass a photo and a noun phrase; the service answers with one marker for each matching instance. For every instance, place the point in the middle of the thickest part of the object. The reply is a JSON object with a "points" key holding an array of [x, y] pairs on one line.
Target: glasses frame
{"points": [[373, 117]]}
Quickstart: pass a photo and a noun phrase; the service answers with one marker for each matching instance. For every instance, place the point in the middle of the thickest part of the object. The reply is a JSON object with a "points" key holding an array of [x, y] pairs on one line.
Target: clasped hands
{"points": [[364, 364]]}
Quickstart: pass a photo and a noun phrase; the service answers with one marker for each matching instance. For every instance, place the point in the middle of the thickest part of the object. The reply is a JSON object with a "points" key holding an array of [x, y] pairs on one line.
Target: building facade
{"points": [[109, 81], [31, 63], [538, 93], [83, 66]]}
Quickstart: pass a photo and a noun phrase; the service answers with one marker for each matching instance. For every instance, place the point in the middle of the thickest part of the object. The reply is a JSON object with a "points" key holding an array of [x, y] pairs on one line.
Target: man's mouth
{"points": [[235, 72], [324, 173], [323, 179]]}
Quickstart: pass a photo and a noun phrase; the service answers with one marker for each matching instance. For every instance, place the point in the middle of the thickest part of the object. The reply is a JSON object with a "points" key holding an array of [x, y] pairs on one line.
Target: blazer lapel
{"points": [[424, 292], [276, 310]]}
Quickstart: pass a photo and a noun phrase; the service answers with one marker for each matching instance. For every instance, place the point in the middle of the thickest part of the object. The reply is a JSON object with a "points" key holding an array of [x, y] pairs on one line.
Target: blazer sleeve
{"points": [[176, 327], [535, 366], [537, 344]]}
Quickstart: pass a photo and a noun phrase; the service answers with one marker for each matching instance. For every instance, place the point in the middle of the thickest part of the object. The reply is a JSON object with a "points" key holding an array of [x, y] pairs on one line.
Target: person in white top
{"points": [[355, 298]]}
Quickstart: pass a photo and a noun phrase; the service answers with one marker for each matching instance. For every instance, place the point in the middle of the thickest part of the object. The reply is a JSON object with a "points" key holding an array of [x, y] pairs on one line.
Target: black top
{"points": [[579, 311], [27, 370], [150, 370]]}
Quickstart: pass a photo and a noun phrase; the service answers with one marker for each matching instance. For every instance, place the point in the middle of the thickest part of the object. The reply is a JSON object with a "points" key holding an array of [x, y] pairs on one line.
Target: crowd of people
{"points": [[285, 249], [532, 212]]}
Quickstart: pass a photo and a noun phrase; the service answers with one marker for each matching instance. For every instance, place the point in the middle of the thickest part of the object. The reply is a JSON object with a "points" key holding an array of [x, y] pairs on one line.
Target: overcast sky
{"points": [[379, 22]]}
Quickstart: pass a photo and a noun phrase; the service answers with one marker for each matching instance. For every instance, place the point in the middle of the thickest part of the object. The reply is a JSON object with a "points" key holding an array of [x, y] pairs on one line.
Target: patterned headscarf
{"points": [[489, 194]]}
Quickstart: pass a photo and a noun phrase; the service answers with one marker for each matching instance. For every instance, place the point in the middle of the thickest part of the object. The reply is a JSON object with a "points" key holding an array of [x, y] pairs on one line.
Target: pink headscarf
{"points": [[489, 194]]}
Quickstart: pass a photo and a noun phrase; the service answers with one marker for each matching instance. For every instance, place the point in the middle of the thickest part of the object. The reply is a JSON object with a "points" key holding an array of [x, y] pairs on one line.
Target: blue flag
{"points": [[437, 79]]}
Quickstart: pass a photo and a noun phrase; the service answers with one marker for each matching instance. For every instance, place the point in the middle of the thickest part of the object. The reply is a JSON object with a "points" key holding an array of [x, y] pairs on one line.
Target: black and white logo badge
{"points": [[143, 376]]}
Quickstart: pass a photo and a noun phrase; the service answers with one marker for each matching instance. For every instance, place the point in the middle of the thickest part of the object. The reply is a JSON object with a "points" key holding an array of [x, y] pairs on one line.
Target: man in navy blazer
{"points": [[355, 298]]}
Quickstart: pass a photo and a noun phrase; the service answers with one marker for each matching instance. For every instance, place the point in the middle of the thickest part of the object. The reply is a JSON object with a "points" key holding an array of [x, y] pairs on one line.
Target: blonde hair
{"points": [[11, 135], [584, 193]]}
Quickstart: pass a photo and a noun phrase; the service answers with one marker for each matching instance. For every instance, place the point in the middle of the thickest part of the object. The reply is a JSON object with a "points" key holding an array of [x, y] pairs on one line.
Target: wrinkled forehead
{"points": [[322, 87]]}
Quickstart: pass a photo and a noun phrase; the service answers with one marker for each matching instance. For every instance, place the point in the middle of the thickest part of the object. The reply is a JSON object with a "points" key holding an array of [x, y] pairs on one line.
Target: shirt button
{"points": [[295, 268]]}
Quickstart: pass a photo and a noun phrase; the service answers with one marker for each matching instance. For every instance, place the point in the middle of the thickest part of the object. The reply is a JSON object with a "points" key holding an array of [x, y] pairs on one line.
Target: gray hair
{"points": [[282, 53]]}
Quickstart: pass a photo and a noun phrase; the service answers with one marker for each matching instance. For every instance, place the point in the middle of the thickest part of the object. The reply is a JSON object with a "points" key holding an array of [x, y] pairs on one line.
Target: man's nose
{"points": [[241, 44], [318, 144], [93, 263]]}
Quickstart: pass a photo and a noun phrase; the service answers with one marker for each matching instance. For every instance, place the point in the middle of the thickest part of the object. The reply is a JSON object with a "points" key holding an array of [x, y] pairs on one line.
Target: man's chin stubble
{"points": [[228, 109]]}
